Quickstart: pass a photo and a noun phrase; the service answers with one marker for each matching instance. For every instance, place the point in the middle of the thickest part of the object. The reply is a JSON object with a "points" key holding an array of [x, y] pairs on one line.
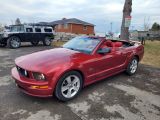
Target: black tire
{"points": [[132, 66], [62, 83], [47, 41], [13, 42], [35, 43]]}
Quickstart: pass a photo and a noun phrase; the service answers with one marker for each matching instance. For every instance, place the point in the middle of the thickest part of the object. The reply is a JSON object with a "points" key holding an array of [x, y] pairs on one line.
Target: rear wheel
{"points": [[68, 86], [35, 43], [47, 41], [14, 42], [132, 66]]}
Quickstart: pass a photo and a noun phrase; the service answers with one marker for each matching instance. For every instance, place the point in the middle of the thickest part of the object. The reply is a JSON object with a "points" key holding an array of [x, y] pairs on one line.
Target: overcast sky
{"points": [[99, 12]]}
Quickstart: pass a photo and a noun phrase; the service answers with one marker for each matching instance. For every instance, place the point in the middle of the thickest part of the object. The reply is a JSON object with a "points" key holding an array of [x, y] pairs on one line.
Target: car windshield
{"points": [[17, 28], [82, 44]]}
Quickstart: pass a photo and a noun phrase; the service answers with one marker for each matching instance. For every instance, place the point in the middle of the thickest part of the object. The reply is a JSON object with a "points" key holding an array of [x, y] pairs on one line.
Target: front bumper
{"points": [[3, 40], [27, 85]]}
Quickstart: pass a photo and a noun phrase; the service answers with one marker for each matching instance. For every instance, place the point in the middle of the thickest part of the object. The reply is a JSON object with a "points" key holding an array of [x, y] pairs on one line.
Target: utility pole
{"points": [[126, 20], [111, 26]]}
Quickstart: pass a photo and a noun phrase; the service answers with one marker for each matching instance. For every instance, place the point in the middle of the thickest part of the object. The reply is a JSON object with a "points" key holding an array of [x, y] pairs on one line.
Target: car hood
{"points": [[47, 59]]}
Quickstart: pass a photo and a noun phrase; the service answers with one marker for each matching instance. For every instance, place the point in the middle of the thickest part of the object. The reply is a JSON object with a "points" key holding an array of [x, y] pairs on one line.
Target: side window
{"points": [[20, 28], [47, 30], [37, 29], [29, 30]]}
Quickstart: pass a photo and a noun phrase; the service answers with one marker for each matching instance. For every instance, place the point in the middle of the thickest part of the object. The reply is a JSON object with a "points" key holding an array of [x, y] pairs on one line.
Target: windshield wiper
{"points": [[70, 48], [79, 50]]}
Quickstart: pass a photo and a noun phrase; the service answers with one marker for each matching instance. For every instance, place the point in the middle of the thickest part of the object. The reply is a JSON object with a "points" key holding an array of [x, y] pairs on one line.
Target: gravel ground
{"points": [[119, 97]]}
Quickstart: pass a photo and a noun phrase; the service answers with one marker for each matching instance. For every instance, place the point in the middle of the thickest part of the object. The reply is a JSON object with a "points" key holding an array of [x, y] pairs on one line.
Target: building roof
{"points": [[71, 20], [40, 24]]}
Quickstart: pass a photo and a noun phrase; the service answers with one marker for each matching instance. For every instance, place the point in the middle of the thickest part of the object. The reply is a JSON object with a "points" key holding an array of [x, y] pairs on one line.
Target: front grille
{"points": [[23, 72]]}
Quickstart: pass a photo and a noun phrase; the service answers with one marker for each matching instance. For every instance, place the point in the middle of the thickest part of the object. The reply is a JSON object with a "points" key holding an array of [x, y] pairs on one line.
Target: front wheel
{"points": [[132, 66], [68, 86], [47, 41], [14, 42]]}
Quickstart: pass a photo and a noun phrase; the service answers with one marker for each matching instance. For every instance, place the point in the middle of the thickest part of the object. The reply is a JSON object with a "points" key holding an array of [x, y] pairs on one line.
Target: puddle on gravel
{"points": [[96, 97], [42, 115], [144, 102], [21, 111], [81, 109], [126, 114], [140, 94]]}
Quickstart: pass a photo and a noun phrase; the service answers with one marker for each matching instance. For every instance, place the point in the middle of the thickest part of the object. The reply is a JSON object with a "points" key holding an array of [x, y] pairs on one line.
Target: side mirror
{"points": [[103, 50]]}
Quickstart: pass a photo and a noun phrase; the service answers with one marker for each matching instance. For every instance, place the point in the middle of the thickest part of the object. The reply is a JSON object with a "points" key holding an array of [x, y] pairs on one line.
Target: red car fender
{"points": [[60, 72], [130, 57]]}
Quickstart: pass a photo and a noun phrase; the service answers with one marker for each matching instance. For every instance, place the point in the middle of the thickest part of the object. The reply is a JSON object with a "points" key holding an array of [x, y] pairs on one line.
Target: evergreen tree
{"points": [[155, 26], [17, 22]]}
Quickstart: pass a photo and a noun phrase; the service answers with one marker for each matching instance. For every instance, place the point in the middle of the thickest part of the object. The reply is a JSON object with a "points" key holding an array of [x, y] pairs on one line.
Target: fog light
{"points": [[43, 87], [39, 87], [34, 87]]}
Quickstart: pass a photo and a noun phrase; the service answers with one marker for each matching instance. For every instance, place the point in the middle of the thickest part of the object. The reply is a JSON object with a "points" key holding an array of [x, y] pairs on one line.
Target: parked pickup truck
{"points": [[26, 33]]}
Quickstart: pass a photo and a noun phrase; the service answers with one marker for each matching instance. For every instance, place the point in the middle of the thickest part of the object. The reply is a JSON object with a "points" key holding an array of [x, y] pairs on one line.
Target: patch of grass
{"points": [[152, 53], [58, 43]]}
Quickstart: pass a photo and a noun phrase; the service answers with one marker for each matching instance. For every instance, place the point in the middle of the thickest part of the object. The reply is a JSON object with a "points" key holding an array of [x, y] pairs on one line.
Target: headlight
{"points": [[39, 76]]}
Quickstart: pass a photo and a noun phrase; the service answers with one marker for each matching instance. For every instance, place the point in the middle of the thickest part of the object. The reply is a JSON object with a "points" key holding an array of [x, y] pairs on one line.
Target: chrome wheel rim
{"points": [[133, 66], [47, 41], [15, 42], [70, 86]]}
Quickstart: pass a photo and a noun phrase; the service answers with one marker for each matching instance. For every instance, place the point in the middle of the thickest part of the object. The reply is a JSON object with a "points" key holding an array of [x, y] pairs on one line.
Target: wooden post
{"points": [[126, 12]]}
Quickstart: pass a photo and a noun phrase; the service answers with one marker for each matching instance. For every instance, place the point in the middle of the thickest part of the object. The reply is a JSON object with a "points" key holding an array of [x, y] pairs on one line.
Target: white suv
{"points": [[26, 33]]}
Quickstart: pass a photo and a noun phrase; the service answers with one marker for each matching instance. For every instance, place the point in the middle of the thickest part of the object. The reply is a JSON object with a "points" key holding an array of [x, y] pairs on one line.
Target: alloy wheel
{"points": [[47, 41], [133, 66], [15, 42], [70, 86]]}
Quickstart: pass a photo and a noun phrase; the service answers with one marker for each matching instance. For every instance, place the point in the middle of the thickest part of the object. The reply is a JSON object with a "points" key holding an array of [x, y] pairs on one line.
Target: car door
{"points": [[109, 64], [98, 66], [105, 64], [119, 57]]}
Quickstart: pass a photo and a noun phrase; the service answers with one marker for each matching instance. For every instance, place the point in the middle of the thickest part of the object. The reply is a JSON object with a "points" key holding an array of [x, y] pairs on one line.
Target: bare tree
{"points": [[146, 24], [1, 27], [126, 12]]}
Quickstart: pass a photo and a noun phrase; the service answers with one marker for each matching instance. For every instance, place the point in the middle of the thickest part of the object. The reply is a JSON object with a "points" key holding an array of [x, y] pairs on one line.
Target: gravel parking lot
{"points": [[120, 97]]}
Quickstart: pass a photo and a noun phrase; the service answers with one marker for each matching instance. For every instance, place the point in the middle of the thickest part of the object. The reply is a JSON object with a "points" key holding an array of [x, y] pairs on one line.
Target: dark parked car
{"points": [[26, 33]]}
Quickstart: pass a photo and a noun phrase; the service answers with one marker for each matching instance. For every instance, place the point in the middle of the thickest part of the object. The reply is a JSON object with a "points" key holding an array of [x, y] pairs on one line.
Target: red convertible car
{"points": [[63, 72]]}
